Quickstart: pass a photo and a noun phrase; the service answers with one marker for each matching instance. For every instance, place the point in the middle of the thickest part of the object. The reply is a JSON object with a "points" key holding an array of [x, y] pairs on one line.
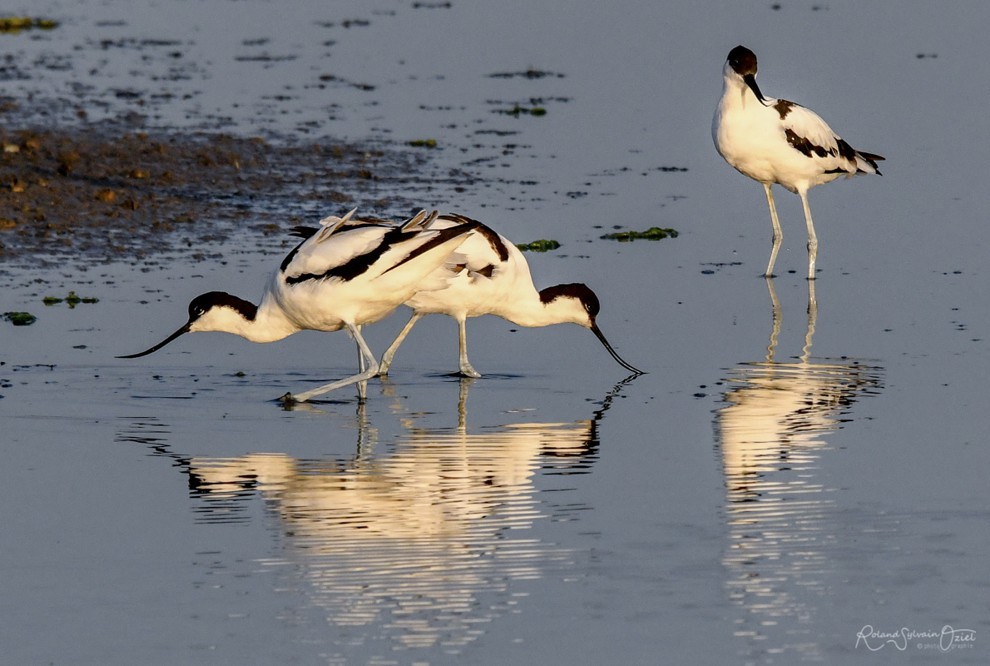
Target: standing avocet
{"points": [[343, 275], [777, 141], [487, 274]]}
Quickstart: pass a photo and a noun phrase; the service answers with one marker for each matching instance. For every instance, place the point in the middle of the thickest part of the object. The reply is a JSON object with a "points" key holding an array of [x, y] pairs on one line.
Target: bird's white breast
{"points": [[752, 137]]}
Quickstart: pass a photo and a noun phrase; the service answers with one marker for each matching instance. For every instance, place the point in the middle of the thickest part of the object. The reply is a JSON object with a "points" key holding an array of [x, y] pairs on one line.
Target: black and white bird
{"points": [[777, 141], [487, 274], [345, 274]]}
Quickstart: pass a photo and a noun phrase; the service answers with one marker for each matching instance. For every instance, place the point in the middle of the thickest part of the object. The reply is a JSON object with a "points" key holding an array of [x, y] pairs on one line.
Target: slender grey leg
{"points": [[361, 367], [371, 371], [778, 234], [465, 364], [812, 238], [390, 352]]}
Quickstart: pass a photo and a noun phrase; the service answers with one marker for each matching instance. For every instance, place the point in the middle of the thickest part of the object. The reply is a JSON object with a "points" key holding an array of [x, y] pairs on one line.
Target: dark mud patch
{"points": [[98, 193], [530, 74]]}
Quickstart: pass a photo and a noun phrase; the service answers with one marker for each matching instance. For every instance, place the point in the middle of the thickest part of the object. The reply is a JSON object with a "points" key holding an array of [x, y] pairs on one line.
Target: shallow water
{"points": [[783, 479]]}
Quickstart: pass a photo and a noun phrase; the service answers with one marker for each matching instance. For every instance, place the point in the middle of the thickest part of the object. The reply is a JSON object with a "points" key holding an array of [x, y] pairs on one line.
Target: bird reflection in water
{"points": [[421, 546], [780, 517]]}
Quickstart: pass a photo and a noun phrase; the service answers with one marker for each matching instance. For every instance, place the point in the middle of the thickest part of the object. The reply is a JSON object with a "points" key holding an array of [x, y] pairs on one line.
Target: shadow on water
{"points": [[781, 520], [417, 546]]}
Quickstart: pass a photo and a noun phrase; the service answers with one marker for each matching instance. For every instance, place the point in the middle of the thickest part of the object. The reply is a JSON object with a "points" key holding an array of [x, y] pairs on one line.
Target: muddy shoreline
{"points": [[92, 168], [111, 192]]}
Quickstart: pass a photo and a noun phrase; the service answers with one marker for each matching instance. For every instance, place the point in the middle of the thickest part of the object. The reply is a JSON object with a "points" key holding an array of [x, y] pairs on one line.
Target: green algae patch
{"points": [[15, 24], [72, 300], [541, 245], [20, 318], [653, 234]]}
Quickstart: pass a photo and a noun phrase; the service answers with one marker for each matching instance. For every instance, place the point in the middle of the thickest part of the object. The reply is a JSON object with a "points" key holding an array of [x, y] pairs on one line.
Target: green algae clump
{"points": [[653, 233], [542, 245]]}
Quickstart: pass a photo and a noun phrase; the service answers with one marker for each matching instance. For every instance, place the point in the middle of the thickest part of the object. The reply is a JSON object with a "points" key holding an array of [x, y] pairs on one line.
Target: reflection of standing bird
{"points": [[777, 141], [347, 274], [780, 516], [487, 274]]}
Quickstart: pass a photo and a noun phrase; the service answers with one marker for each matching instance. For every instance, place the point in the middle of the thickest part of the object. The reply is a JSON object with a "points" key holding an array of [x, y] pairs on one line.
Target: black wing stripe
{"points": [[356, 265], [442, 237], [489, 234]]}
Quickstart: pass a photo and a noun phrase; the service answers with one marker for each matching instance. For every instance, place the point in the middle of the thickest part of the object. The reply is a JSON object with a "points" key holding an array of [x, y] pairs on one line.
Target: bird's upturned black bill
{"points": [[597, 331], [184, 329], [750, 80]]}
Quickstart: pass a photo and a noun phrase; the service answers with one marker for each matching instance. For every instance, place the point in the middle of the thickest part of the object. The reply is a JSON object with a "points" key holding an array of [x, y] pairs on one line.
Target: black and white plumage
{"points": [[487, 274], [345, 274], [777, 141]]}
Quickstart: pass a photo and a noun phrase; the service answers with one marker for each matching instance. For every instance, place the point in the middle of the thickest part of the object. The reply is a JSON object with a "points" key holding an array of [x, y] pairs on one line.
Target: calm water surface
{"points": [[798, 468]]}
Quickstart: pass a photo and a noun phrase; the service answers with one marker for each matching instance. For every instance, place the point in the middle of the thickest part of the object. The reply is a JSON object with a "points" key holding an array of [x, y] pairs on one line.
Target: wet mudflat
{"points": [[801, 477], [109, 192]]}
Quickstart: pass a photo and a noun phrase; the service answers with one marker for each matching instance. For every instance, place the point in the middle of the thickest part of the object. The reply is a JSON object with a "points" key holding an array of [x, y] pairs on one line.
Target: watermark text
{"points": [[946, 639]]}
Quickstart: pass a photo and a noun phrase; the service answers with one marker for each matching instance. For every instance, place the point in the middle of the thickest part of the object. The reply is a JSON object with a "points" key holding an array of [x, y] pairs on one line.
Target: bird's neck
{"points": [[737, 95], [264, 323], [270, 323], [532, 311]]}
